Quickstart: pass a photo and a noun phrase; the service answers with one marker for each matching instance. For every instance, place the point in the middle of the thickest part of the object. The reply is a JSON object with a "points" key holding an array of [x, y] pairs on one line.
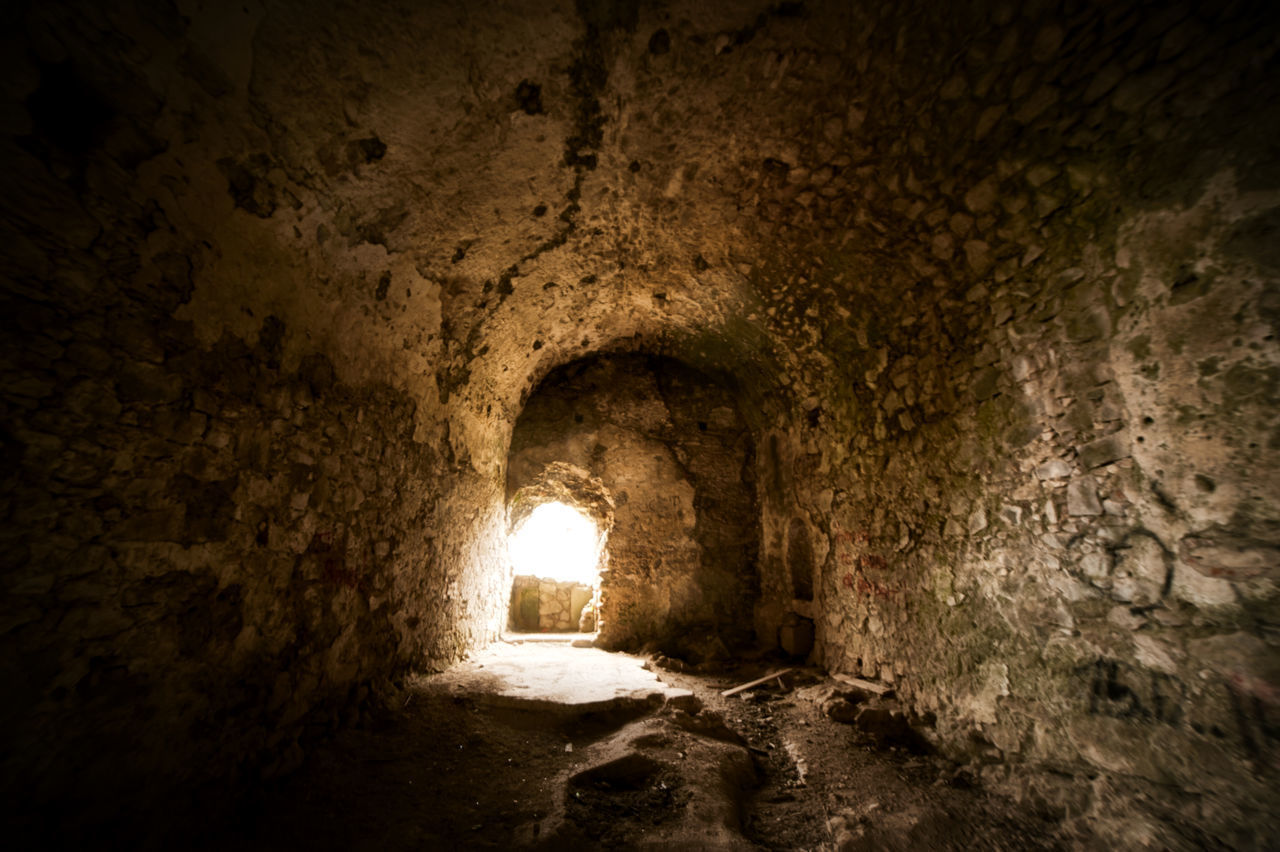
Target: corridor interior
{"points": [[917, 360]]}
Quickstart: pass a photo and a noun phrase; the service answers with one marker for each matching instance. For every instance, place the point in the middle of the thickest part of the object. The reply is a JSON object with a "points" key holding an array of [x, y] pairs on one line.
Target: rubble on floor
{"points": [[515, 749]]}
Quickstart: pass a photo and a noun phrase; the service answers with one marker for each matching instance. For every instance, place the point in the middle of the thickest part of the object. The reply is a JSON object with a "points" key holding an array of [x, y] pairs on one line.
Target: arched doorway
{"points": [[559, 529], [674, 454]]}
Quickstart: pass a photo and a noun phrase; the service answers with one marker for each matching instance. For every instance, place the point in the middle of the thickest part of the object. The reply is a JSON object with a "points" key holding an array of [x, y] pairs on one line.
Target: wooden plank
{"points": [[868, 685], [745, 686]]}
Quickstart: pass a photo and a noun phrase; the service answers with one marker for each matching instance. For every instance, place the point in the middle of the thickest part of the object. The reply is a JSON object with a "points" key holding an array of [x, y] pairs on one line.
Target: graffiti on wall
{"points": [[862, 571]]}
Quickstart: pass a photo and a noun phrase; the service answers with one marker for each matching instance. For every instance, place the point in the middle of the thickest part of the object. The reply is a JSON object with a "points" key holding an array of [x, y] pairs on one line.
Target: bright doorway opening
{"points": [[558, 543], [556, 552]]}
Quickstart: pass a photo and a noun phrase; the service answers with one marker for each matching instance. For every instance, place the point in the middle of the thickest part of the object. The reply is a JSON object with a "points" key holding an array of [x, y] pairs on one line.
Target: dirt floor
{"points": [[766, 769]]}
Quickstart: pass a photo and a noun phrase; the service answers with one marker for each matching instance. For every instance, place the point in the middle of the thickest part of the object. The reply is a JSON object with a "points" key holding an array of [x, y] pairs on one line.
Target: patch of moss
{"points": [[976, 634], [1086, 325], [1004, 422]]}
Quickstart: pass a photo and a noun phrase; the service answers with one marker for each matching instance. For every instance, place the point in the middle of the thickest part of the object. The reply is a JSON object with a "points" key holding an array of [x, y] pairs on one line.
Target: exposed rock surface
{"points": [[991, 285]]}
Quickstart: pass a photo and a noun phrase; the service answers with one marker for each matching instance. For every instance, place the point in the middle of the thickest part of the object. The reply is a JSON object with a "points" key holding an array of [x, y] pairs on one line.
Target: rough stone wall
{"points": [[547, 605], [1047, 509], [224, 567], [223, 526], [674, 454]]}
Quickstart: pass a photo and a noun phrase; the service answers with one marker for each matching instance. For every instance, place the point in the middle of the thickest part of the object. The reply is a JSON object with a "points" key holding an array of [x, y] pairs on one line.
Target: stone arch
{"points": [[672, 448], [544, 603]]}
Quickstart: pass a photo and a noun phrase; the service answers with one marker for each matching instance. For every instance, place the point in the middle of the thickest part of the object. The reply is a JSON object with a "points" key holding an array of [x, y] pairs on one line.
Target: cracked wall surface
{"points": [[995, 284]]}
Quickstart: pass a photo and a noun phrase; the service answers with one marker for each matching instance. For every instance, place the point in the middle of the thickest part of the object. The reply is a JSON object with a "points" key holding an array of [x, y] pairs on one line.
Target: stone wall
{"points": [[223, 530], [548, 605], [1038, 457], [202, 547], [669, 445]]}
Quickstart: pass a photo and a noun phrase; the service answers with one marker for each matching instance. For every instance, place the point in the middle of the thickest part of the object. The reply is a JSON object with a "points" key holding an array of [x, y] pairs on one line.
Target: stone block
{"points": [[1082, 497], [1053, 469], [978, 521], [840, 709], [1105, 450]]}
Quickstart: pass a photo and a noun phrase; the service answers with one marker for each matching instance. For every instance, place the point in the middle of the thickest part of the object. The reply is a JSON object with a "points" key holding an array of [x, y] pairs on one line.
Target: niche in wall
{"points": [[800, 560]]}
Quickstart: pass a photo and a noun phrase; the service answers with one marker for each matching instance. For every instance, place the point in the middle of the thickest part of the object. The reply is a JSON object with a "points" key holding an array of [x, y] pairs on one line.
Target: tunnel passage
{"points": [[670, 445], [281, 276]]}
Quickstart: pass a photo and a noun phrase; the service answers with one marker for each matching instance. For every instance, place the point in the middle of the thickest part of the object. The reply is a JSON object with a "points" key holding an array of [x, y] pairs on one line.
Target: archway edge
{"points": [[562, 482]]}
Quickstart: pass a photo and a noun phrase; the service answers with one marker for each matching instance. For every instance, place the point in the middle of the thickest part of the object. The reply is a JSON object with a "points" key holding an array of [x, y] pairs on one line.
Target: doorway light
{"points": [[556, 542]]}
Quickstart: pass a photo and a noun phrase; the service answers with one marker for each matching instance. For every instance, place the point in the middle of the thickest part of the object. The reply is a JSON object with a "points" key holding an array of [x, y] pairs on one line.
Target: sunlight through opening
{"points": [[557, 542]]}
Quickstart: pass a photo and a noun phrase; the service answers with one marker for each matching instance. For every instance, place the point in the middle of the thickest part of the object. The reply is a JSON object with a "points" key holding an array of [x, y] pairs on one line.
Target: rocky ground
{"points": [[801, 762]]}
